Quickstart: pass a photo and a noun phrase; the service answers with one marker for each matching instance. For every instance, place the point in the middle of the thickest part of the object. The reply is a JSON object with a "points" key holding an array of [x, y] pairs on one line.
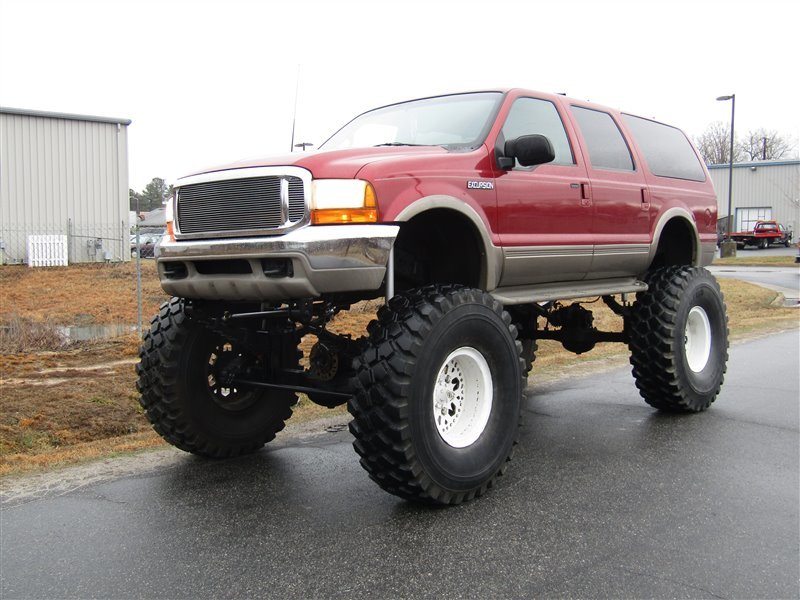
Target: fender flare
{"points": [[491, 255], [682, 214]]}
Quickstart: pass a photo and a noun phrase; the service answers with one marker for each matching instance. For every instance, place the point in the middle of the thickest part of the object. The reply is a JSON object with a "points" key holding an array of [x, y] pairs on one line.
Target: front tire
{"points": [[678, 337], [438, 395], [179, 379]]}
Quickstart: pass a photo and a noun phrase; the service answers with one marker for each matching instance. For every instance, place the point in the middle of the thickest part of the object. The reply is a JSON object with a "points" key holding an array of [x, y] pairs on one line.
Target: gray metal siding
{"points": [[64, 176], [762, 184]]}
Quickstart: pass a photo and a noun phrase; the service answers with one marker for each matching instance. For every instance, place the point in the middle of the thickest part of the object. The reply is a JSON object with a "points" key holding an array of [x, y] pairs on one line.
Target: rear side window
{"points": [[667, 151], [607, 148], [529, 116]]}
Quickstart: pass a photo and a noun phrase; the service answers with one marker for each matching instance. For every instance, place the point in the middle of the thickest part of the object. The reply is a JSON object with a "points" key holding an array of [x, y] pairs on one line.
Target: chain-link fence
{"points": [[92, 242]]}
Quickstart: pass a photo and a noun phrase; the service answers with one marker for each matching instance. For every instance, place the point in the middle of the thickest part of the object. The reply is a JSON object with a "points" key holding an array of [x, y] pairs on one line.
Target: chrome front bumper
{"points": [[303, 263]]}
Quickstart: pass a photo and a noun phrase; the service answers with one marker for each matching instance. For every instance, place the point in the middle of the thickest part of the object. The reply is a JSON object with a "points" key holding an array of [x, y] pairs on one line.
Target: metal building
{"points": [[763, 190], [63, 175]]}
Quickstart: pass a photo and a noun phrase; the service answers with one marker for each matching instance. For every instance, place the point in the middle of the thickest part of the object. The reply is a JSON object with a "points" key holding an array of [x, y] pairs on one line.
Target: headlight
{"points": [[343, 201], [169, 216]]}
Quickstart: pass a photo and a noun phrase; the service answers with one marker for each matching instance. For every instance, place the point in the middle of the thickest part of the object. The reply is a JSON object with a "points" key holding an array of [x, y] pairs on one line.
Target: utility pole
{"points": [[728, 246], [763, 148]]}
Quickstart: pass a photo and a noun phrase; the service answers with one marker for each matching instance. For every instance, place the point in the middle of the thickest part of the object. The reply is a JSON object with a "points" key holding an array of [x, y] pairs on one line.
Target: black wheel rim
{"points": [[225, 361]]}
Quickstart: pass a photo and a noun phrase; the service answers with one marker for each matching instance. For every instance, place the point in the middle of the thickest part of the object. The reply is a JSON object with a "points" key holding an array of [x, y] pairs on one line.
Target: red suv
{"points": [[475, 215]]}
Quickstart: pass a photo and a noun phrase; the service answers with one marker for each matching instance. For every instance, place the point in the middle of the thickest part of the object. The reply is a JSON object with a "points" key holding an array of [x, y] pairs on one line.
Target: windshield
{"points": [[460, 120]]}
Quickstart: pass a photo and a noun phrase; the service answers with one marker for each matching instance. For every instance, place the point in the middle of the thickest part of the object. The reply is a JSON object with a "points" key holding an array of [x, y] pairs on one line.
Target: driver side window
{"points": [[529, 116]]}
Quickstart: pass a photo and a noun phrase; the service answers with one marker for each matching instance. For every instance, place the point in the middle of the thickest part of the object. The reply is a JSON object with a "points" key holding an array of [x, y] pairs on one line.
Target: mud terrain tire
{"points": [[438, 394], [678, 337], [175, 376], [529, 348]]}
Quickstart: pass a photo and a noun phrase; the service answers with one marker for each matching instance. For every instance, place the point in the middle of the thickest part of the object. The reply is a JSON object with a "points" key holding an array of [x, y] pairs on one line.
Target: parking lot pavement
{"points": [[605, 498], [753, 252]]}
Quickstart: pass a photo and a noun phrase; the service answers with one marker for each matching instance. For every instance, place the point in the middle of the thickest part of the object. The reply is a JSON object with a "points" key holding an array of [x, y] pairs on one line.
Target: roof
{"points": [[7, 110], [757, 163]]}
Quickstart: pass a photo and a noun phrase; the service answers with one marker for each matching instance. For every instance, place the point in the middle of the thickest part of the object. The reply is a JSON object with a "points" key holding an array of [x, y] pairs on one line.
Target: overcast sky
{"points": [[212, 82]]}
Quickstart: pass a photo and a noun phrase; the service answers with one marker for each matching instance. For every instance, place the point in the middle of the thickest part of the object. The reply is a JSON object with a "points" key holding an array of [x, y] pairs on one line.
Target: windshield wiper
{"points": [[398, 144]]}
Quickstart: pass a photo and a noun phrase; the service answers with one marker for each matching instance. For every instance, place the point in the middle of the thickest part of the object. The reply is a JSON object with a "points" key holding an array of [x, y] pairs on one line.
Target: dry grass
{"points": [[26, 462], [78, 403], [78, 294], [52, 401], [20, 334], [752, 308], [752, 260]]}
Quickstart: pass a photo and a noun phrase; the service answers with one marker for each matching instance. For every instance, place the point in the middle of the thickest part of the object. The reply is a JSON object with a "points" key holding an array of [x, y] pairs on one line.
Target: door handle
{"points": [[645, 199], [586, 193]]}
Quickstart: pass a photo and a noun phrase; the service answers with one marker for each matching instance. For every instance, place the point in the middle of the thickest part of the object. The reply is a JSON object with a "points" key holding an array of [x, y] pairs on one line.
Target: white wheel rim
{"points": [[462, 397], [697, 339]]}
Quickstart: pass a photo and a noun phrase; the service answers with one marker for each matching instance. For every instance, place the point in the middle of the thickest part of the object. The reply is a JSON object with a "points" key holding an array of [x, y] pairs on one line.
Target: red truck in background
{"points": [[475, 215], [764, 234]]}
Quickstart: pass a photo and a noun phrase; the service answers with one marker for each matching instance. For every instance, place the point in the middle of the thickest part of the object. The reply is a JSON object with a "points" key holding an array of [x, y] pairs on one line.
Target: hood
{"points": [[335, 164]]}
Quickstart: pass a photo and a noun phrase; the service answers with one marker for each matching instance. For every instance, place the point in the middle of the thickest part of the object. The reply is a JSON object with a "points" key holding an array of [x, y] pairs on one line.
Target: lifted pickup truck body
{"points": [[474, 215]]}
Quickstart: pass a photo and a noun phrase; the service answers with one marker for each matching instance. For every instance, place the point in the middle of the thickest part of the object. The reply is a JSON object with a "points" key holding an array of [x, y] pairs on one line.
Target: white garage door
{"points": [[746, 218]]}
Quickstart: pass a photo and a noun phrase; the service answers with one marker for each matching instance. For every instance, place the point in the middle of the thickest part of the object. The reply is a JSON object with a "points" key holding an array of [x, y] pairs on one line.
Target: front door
{"points": [[544, 212]]}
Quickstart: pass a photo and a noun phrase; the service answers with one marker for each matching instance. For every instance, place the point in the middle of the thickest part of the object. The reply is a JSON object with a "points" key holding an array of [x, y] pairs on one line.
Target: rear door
{"points": [[544, 212], [621, 224]]}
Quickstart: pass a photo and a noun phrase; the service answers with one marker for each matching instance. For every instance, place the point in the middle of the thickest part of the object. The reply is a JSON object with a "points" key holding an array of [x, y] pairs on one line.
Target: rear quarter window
{"points": [[665, 149]]}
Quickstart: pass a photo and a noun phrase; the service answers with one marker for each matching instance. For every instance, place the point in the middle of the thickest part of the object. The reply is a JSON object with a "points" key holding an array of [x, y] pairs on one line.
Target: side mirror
{"points": [[529, 150]]}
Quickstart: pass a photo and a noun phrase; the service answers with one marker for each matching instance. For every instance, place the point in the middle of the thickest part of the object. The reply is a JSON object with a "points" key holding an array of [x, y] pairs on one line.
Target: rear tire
{"points": [[529, 348], [763, 244], [178, 377], [438, 395], [678, 337]]}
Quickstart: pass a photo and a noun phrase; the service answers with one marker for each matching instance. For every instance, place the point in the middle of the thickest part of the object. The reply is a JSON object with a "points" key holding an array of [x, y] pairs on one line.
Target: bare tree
{"points": [[760, 144], [714, 144]]}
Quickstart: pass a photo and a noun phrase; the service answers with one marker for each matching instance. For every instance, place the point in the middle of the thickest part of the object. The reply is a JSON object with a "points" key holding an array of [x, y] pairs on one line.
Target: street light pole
{"points": [[729, 251]]}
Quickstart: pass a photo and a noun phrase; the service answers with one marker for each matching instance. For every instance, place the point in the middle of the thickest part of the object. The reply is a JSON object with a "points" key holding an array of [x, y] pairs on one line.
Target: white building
{"points": [[763, 190], [64, 174]]}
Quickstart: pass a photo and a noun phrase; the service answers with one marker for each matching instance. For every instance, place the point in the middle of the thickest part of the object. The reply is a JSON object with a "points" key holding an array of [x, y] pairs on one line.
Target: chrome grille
{"points": [[244, 205]]}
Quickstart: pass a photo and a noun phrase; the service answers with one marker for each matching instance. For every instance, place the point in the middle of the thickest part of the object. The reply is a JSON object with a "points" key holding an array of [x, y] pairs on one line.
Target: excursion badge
{"points": [[480, 185]]}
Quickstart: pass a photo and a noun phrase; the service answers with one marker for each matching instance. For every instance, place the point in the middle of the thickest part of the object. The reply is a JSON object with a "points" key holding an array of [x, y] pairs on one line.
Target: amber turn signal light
{"points": [[338, 216]]}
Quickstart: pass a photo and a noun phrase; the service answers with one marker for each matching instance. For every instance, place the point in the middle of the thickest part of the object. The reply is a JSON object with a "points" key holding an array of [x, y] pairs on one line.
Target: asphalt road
{"points": [[605, 497]]}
